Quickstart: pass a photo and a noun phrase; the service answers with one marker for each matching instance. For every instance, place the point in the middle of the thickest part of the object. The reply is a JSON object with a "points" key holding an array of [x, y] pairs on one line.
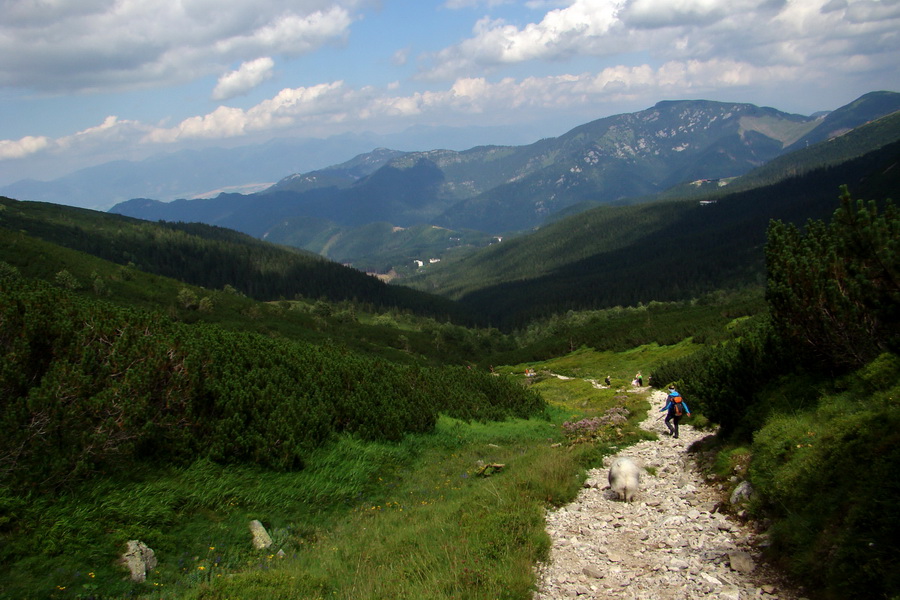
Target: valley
{"points": [[345, 212], [171, 372]]}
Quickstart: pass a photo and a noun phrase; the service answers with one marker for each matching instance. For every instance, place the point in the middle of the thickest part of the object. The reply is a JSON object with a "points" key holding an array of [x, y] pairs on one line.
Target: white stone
{"points": [[261, 538]]}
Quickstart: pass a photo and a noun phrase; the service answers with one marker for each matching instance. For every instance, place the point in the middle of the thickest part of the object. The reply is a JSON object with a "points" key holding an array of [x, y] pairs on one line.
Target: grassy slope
{"points": [[407, 520], [435, 530]]}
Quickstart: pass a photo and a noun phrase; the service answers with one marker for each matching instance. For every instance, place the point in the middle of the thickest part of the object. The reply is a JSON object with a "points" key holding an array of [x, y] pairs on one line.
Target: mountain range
{"points": [[694, 240], [207, 171], [487, 192]]}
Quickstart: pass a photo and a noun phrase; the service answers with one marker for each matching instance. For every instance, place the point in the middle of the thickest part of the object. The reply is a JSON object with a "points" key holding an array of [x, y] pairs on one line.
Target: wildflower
{"points": [[201, 567], [91, 574]]}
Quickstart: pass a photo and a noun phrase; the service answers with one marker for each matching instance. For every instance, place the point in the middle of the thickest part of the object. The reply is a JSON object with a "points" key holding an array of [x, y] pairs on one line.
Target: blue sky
{"points": [[87, 81]]}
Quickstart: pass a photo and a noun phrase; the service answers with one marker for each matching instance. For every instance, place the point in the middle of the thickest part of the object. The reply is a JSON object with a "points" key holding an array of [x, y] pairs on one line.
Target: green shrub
{"points": [[727, 382], [88, 388], [828, 475]]}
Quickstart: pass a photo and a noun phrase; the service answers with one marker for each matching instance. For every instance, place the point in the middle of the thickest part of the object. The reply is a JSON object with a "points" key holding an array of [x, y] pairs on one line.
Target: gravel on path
{"points": [[669, 543]]}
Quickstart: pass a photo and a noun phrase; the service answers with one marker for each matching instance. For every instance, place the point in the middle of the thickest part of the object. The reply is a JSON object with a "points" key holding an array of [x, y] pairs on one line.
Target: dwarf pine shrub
{"points": [[88, 388]]}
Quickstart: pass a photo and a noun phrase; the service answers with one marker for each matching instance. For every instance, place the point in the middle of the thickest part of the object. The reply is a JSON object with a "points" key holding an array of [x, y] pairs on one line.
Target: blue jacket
{"points": [[670, 405]]}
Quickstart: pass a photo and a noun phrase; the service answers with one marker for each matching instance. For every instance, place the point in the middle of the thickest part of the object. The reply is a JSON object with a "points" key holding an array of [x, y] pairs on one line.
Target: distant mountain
{"points": [[339, 176], [626, 156], [204, 173], [817, 172], [496, 189], [864, 109], [368, 243]]}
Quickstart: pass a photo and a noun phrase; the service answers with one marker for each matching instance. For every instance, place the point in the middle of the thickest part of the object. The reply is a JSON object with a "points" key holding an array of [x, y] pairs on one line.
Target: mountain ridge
{"points": [[202, 172], [496, 190]]}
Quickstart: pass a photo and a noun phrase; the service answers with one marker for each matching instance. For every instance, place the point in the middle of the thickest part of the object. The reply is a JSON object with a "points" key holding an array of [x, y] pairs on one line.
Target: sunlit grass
{"points": [[406, 520], [587, 363]]}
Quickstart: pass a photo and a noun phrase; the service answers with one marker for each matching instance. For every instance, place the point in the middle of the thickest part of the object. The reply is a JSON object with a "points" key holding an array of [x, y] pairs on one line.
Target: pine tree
{"points": [[834, 290]]}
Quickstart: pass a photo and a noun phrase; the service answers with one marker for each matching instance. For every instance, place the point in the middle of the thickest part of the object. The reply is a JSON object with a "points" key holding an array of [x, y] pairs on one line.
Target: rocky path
{"points": [[669, 543]]}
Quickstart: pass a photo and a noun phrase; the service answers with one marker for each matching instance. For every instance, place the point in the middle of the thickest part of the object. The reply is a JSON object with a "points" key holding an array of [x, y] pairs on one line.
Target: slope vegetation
{"points": [[212, 257], [655, 251]]}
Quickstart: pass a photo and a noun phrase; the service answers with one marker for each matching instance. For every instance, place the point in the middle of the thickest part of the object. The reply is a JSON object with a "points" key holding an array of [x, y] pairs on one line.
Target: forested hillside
{"points": [[140, 388], [658, 251], [212, 257]]}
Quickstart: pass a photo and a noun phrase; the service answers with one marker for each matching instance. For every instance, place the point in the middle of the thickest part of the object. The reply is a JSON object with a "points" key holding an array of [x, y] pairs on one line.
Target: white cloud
{"points": [[111, 134], [469, 100], [690, 13], [23, 147], [69, 46], [761, 32], [330, 107], [400, 57], [289, 107], [291, 34], [245, 78]]}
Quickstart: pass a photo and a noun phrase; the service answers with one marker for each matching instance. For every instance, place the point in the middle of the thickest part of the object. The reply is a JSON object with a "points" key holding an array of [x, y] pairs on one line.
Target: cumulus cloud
{"points": [[110, 134], [22, 147], [468, 99], [101, 45], [245, 78], [289, 107], [762, 32], [687, 13], [329, 108], [581, 27], [629, 52], [400, 57]]}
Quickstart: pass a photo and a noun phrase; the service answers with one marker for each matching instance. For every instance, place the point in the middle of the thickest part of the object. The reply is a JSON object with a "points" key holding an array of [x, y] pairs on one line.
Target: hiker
{"points": [[640, 379], [677, 408], [607, 380]]}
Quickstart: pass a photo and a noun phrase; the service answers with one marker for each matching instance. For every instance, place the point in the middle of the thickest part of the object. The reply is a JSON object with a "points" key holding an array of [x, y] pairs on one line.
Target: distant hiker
{"points": [[677, 408], [640, 379], [607, 381]]}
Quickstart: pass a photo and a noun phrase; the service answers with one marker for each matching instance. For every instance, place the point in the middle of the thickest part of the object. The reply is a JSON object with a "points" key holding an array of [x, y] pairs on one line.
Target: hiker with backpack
{"points": [[677, 408]]}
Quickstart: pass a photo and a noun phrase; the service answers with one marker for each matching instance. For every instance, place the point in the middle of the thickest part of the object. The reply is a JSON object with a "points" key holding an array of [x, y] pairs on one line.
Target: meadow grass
{"points": [[407, 520]]}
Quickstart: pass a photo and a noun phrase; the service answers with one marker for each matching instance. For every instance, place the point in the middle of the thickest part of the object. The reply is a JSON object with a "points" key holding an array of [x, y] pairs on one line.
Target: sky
{"points": [[88, 81]]}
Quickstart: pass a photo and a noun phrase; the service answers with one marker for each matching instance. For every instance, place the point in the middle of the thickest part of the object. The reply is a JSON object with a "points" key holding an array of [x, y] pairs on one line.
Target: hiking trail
{"points": [[670, 543]]}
